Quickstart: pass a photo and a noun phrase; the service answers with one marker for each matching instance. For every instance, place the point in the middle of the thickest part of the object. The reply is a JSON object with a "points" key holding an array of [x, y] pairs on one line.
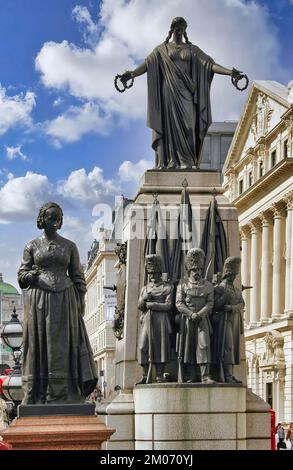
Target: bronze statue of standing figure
{"points": [[194, 302], [155, 303], [179, 76], [58, 365], [228, 322]]}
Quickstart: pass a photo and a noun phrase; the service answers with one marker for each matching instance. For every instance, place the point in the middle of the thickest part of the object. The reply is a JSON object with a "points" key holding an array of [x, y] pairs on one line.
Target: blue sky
{"points": [[67, 135]]}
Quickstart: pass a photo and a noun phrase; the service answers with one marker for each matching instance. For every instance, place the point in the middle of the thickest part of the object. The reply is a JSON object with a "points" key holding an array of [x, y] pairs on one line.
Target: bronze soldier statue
{"points": [[155, 303], [194, 301], [228, 322]]}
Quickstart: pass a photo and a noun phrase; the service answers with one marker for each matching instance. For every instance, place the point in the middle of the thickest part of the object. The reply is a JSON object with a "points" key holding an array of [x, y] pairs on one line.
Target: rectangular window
{"points": [[273, 158], [285, 149], [269, 393], [240, 187], [250, 179], [260, 169]]}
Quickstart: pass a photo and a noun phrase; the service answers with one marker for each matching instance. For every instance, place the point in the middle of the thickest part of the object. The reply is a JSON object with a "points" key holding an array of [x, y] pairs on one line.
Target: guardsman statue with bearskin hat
{"points": [[194, 301], [227, 322], [155, 303]]}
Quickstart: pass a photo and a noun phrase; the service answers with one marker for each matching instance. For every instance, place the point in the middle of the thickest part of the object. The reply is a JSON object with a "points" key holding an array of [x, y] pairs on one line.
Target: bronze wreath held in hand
{"points": [[236, 77], [124, 79]]}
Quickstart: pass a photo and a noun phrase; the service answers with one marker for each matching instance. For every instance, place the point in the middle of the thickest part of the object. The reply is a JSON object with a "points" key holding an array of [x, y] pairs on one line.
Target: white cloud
{"points": [[77, 121], [15, 110], [91, 29], [77, 230], [89, 188], [21, 197], [14, 152], [129, 171]]}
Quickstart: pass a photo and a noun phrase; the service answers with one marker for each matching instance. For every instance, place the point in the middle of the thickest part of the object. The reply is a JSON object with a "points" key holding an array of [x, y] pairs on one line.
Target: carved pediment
{"points": [[265, 105], [262, 117]]}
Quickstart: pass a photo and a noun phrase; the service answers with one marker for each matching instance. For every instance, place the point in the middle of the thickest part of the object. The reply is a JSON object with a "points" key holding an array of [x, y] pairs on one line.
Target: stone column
{"points": [[245, 269], [289, 256], [254, 272], [266, 268], [278, 262]]}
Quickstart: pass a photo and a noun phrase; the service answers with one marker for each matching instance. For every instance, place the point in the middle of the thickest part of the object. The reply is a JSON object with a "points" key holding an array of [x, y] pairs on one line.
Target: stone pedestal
{"points": [[57, 427], [200, 417], [179, 416], [119, 413]]}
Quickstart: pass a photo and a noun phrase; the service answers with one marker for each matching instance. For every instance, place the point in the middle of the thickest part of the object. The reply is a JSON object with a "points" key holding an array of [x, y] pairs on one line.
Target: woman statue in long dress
{"points": [[58, 365], [179, 77]]}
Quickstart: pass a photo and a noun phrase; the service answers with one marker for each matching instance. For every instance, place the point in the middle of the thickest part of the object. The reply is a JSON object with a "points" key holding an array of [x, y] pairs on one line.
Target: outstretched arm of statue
{"points": [[219, 69], [140, 70]]}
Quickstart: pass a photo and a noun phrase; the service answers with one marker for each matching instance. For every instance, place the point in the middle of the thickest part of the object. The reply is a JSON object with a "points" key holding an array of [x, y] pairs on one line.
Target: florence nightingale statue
{"points": [[58, 365], [179, 76]]}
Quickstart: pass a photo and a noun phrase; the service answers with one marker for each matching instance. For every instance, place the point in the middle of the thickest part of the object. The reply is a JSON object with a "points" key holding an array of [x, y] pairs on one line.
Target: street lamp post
{"points": [[11, 334]]}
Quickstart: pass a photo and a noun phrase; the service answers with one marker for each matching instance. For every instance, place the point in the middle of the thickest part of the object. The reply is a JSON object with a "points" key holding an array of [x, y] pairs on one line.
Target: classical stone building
{"points": [[258, 177], [100, 307], [9, 297], [216, 145]]}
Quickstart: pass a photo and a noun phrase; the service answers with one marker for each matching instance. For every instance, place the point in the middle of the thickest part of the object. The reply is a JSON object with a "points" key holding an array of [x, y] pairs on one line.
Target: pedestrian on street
{"points": [[289, 436], [281, 444]]}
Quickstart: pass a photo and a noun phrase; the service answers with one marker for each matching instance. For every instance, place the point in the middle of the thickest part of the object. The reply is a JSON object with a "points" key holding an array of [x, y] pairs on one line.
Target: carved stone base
{"points": [[200, 417], [57, 433]]}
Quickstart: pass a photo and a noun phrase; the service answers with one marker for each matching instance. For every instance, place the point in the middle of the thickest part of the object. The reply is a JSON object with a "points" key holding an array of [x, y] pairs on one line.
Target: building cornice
{"points": [[271, 179], [260, 331], [90, 274]]}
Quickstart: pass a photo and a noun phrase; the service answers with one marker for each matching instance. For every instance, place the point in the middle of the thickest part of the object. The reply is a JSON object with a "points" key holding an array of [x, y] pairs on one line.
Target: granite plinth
{"points": [[80, 409], [57, 433], [201, 182]]}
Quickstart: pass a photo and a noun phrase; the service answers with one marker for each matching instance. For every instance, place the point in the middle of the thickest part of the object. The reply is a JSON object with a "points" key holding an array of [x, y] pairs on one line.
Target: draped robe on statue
{"points": [[179, 110], [58, 364]]}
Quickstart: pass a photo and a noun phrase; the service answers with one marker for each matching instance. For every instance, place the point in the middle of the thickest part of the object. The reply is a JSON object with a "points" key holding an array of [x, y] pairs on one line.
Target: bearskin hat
{"points": [[153, 263], [194, 257], [232, 264]]}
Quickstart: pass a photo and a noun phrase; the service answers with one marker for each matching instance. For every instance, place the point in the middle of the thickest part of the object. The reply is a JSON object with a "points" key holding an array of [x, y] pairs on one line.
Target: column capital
{"points": [[254, 225], [288, 199], [278, 209], [266, 218], [244, 231]]}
